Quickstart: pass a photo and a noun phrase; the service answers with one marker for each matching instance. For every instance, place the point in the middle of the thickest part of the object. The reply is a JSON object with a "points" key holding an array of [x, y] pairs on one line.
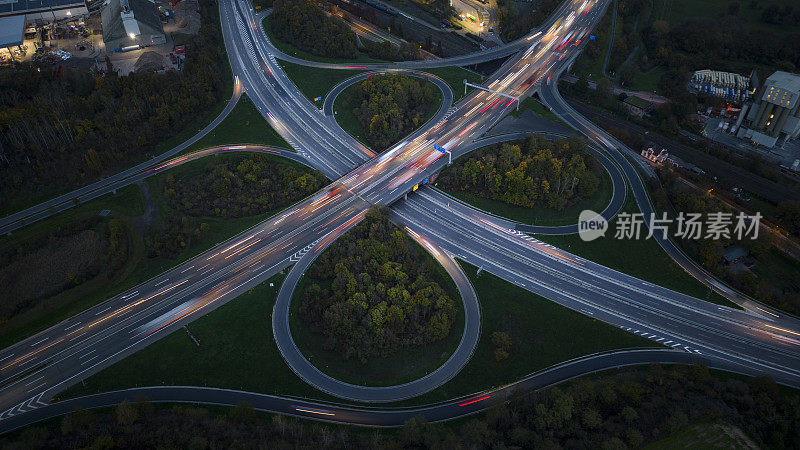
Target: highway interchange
{"points": [[753, 341]]}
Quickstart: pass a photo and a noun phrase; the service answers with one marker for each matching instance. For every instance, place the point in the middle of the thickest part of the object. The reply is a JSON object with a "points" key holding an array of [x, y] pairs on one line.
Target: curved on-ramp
{"points": [[101, 187], [316, 378], [364, 415]]}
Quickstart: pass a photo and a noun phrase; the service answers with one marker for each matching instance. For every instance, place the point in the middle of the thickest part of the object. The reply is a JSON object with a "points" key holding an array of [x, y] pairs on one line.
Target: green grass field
{"points": [[455, 76], [593, 70], [314, 82], [237, 351], [531, 104], [543, 333], [345, 103], [705, 435], [541, 215], [647, 81], [244, 125], [642, 258]]}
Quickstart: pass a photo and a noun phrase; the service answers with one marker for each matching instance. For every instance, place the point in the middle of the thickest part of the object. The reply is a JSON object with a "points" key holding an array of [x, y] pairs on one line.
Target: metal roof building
{"points": [[44, 11], [776, 112], [131, 22]]}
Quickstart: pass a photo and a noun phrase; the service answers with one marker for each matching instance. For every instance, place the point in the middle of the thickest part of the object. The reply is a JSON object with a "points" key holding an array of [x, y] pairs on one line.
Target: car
{"points": [[548, 81]]}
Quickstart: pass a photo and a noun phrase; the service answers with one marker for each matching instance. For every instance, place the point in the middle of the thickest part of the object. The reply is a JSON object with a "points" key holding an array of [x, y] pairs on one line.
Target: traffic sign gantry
{"points": [[444, 150]]}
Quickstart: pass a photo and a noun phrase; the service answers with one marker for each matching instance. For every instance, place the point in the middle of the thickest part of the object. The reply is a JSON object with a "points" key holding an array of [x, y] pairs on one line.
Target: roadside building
{"points": [[41, 12], [774, 113], [11, 36], [736, 254], [130, 23], [637, 106]]}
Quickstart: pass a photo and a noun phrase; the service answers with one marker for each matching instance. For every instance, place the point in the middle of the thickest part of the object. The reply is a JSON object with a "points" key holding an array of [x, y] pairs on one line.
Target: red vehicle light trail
{"points": [[475, 400]]}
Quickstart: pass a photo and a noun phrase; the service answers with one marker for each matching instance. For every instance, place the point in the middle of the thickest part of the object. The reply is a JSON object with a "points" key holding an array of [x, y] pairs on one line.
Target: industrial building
{"points": [[21, 17], [131, 23], [729, 86], [774, 114]]}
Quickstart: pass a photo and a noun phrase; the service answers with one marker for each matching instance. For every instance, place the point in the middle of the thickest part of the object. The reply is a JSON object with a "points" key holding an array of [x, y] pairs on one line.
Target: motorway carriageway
{"points": [[253, 256]]}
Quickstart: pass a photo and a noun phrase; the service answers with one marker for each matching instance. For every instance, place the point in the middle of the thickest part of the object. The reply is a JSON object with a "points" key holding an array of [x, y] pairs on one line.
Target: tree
{"points": [[627, 73], [126, 413]]}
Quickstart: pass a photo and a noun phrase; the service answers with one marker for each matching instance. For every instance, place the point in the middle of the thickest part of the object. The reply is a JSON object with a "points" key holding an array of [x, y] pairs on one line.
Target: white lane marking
{"points": [[68, 328], [34, 381], [184, 270], [93, 357], [86, 354], [9, 356], [667, 342], [37, 387], [161, 282], [39, 342], [101, 312], [129, 295]]}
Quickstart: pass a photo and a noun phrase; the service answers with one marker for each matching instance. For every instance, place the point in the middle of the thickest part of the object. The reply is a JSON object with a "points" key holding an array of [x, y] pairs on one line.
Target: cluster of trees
{"points": [[712, 42], [773, 14], [625, 409], [172, 235], [529, 172], [391, 106], [387, 51], [373, 293], [514, 23], [788, 215], [59, 260], [674, 195], [627, 41], [442, 9], [303, 24], [67, 131], [502, 345], [240, 187]]}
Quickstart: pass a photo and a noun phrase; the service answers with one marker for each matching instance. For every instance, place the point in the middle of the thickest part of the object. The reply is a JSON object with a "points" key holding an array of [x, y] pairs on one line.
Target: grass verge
{"points": [[237, 351], [543, 333], [244, 125], [314, 82], [455, 76], [539, 109], [642, 258]]}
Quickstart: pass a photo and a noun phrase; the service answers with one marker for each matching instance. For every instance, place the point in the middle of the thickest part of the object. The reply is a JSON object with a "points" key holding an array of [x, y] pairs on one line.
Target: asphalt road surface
{"points": [[315, 377], [376, 417], [34, 369]]}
